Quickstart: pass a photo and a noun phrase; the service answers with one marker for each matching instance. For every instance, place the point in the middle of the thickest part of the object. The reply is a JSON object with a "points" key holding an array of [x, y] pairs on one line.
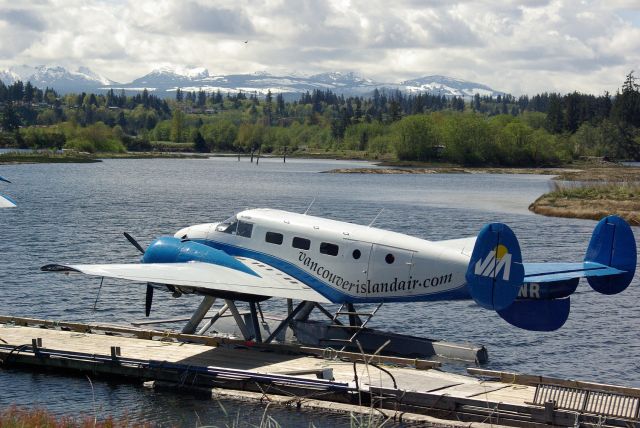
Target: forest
{"points": [[543, 130]]}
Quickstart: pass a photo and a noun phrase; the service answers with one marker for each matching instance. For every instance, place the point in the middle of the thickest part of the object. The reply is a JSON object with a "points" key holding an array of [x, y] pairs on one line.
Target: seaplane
{"points": [[259, 254], [5, 201]]}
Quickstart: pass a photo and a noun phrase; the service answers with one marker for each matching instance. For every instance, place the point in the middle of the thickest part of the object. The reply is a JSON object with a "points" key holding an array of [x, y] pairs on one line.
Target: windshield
{"points": [[228, 226]]}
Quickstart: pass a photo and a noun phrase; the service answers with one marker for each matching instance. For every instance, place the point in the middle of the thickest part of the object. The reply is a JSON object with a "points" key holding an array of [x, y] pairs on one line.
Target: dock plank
{"points": [[417, 390]]}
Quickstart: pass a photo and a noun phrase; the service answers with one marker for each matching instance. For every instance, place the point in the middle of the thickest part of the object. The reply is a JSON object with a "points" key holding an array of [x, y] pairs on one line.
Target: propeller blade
{"points": [[134, 242], [148, 300]]}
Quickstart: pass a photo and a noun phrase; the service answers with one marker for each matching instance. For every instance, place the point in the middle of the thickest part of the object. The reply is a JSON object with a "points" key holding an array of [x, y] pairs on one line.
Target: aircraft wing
{"points": [[269, 281], [6, 202]]}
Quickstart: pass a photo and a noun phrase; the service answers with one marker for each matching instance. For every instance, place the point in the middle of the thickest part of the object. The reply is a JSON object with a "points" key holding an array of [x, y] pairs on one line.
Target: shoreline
{"points": [[601, 189]]}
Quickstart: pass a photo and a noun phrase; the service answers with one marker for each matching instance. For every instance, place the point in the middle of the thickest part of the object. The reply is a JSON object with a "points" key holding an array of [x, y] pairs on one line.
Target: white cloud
{"points": [[518, 46]]}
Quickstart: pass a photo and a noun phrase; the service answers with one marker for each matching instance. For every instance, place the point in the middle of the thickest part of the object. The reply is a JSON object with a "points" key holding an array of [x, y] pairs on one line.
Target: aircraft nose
{"points": [[199, 231], [182, 232]]}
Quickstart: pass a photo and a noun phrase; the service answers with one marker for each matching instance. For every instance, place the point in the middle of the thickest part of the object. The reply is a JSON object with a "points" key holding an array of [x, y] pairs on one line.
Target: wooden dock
{"points": [[397, 386]]}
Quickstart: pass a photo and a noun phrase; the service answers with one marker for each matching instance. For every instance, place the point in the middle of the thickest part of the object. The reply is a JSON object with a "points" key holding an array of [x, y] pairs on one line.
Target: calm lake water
{"points": [[77, 213]]}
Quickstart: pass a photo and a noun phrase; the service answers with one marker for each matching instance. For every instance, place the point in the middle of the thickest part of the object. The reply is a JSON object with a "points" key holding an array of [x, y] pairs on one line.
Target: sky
{"points": [[520, 47]]}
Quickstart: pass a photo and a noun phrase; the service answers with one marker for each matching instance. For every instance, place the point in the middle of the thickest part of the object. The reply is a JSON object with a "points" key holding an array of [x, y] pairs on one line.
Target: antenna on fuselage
{"points": [[375, 218], [309, 207]]}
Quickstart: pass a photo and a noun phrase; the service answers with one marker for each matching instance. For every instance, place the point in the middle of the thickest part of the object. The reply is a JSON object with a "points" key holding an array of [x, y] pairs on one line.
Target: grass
{"points": [[591, 200], [74, 157], [16, 417], [45, 157]]}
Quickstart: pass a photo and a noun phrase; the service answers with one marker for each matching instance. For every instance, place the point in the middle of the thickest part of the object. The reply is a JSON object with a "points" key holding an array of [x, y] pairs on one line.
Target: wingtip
{"points": [[57, 268]]}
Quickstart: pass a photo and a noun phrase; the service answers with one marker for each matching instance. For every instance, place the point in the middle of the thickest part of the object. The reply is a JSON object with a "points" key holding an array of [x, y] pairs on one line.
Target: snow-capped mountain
{"points": [[83, 79], [165, 81], [446, 86]]}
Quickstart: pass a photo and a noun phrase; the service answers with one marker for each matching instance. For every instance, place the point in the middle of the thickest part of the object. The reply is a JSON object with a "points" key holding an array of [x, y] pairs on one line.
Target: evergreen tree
{"points": [[199, 143], [177, 126], [10, 119]]}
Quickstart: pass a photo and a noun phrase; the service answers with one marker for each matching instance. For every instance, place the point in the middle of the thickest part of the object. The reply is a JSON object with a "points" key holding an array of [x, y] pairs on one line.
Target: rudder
{"points": [[612, 244], [495, 272]]}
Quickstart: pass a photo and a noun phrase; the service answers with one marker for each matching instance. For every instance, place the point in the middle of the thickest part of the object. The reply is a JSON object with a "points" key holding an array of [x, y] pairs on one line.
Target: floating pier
{"points": [[413, 389]]}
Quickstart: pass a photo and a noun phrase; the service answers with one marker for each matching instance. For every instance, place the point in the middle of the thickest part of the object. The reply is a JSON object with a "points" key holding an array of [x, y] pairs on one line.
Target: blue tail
{"points": [[612, 244], [495, 272], [535, 296]]}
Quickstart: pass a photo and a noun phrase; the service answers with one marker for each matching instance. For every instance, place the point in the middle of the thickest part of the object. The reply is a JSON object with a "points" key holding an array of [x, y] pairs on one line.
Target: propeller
{"points": [[148, 300], [133, 242], [149, 295]]}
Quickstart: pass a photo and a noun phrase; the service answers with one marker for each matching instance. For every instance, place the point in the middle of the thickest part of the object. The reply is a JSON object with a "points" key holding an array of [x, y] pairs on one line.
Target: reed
{"points": [[17, 417]]}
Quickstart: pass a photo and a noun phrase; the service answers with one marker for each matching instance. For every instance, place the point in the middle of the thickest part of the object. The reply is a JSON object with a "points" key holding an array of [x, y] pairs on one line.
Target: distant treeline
{"points": [[545, 129]]}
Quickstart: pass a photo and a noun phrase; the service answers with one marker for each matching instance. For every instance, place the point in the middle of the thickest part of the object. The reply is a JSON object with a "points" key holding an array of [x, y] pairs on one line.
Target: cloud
{"points": [[521, 46], [195, 17], [23, 18]]}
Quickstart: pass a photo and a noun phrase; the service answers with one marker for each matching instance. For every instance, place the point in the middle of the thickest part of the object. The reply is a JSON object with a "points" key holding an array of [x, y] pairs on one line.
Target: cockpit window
{"points": [[244, 229], [228, 226]]}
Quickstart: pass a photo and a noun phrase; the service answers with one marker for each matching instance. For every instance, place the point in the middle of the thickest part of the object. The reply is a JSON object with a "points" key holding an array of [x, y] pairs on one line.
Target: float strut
{"points": [[198, 315], [304, 314], [254, 320], [285, 322], [215, 318], [239, 321]]}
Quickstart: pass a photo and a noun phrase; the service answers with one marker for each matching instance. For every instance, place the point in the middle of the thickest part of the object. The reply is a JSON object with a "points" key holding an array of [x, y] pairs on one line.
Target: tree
{"points": [[199, 144], [177, 126], [10, 120], [555, 116], [268, 108], [626, 107]]}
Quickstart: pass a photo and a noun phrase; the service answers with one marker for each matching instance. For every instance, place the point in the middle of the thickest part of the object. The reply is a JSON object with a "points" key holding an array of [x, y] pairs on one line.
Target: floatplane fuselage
{"points": [[262, 253], [344, 262]]}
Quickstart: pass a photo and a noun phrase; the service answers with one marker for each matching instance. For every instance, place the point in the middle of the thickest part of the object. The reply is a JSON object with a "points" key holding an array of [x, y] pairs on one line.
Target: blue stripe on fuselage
{"points": [[325, 289]]}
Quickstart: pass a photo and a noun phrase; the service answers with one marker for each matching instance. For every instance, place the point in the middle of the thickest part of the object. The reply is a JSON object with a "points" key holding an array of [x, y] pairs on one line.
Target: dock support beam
{"points": [[198, 315]]}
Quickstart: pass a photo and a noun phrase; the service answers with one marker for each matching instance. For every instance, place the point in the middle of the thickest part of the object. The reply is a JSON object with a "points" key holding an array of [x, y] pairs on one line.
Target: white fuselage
{"points": [[343, 261]]}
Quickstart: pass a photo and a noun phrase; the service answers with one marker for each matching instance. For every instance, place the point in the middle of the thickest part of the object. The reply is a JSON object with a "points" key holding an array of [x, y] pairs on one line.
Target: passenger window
{"points": [[244, 229], [327, 248], [274, 238], [302, 243]]}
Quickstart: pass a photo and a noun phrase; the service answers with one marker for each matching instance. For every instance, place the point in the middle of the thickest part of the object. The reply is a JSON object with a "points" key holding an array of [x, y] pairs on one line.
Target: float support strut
{"points": [[215, 318], [198, 315]]}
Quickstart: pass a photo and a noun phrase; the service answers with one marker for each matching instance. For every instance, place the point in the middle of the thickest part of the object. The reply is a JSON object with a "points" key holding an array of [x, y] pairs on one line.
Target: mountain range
{"points": [[166, 80]]}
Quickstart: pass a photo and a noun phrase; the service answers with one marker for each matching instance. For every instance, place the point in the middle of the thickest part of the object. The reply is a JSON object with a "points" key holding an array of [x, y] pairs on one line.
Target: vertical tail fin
{"points": [[495, 272], [612, 244]]}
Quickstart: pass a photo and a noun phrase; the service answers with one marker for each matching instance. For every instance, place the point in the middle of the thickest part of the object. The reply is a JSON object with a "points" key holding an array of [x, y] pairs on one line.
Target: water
{"points": [[77, 213]]}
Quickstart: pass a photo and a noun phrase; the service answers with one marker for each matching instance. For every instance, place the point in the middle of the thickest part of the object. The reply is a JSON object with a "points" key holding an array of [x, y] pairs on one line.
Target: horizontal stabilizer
{"points": [[537, 315], [553, 272], [4, 179]]}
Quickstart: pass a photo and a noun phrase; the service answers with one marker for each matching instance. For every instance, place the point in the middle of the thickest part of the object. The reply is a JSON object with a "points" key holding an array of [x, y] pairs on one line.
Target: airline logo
{"points": [[497, 260]]}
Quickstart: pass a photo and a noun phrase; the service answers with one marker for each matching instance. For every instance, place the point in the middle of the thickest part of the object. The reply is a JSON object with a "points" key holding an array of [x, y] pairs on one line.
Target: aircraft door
{"points": [[357, 267], [388, 263]]}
